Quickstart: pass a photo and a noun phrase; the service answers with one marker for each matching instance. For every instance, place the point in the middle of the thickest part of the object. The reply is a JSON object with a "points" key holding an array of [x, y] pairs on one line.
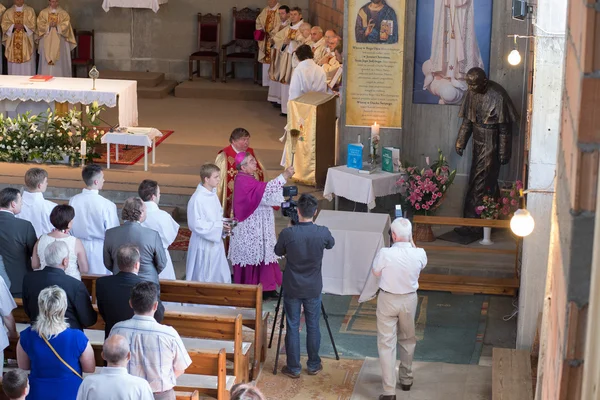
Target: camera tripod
{"points": [[325, 317]]}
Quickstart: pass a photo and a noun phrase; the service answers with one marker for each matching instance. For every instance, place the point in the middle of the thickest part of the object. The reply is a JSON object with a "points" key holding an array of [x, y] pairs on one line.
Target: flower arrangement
{"points": [[510, 202], [49, 137], [374, 147], [490, 208], [424, 189]]}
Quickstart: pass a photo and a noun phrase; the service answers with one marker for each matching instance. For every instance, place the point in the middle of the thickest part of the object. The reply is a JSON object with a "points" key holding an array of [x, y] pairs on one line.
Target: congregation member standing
{"points": [[15, 384], [52, 377], [35, 208], [113, 291], [113, 382], [17, 240], [160, 221], [7, 304], [79, 313], [19, 28], [252, 245], [62, 220], [268, 22], [152, 253], [157, 352], [399, 268], [239, 142], [56, 39], [93, 216], [303, 245], [206, 260], [274, 94]]}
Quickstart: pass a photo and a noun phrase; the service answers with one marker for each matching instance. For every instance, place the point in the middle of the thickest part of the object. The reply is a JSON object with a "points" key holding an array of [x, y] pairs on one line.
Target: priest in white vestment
{"points": [[2, 10], [454, 50], [56, 41], [319, 43], [274, 95], [206, 260], [93, 216], [19, 28], [160, 221], [268, 22], [35, 208]]}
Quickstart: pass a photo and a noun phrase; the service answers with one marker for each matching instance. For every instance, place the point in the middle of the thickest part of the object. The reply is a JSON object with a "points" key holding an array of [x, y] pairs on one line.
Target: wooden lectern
{"points": [[310, 139]]}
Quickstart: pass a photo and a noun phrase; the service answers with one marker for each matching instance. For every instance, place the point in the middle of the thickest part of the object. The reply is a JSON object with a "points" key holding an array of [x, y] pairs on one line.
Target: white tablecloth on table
{"points": [[109, 93], [152, 4], [134, 137], [358, 238], [361, 188]]}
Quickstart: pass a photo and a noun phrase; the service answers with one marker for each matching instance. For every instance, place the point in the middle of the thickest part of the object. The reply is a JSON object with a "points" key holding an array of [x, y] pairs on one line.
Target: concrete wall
{"points": [[428, 127], [140, 40]]}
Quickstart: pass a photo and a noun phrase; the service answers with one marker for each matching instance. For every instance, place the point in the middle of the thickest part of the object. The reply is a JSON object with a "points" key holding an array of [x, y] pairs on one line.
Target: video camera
{"points": [[289, 208]]}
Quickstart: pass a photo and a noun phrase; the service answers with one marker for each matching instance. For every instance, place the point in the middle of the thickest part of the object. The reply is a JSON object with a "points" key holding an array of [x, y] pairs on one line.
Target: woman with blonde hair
{"points": [[55, 354]]}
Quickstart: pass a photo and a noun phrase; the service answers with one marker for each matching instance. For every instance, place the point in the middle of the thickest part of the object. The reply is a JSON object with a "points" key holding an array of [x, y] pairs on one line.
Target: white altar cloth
{"points": [[152, 4], [361, 188], [109, 93], [133, 137], [358, 238]]}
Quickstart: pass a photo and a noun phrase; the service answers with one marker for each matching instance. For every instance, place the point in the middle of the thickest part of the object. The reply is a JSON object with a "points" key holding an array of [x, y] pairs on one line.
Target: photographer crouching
{"points": [[303, 245], [399, 268]]}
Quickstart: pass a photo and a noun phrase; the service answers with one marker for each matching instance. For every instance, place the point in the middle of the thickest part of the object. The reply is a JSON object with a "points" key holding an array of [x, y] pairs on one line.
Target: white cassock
{"points": [[307, 77], [37, 210], [206, 261], [167, 228], [93, 216]]}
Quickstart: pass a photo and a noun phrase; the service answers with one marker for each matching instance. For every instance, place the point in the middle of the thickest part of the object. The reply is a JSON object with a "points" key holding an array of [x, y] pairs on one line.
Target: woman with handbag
{"points": [[56, 354]]}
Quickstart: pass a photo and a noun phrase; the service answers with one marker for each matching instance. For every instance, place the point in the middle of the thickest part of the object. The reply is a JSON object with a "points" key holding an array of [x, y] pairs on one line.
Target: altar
{"points": [[108, 92]]}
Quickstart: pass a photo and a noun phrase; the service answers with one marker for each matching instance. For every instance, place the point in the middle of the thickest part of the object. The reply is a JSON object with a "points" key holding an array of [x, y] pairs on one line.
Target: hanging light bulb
{"points": [[522, 222], [514, 58]]}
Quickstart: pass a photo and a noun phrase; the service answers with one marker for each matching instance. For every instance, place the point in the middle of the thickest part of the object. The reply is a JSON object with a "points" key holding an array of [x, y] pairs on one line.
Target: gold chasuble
{"points": [[268, 20], [276, 53], [52, 39], [19, 46], [285, 56]]}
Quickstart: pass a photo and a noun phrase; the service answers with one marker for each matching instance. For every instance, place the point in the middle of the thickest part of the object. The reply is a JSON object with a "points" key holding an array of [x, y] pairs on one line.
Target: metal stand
{"points": [[323, 312]]}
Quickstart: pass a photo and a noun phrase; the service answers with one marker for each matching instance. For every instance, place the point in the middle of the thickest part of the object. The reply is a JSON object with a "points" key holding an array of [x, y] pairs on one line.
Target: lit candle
{"points": [[374, 129], [83, 150]]}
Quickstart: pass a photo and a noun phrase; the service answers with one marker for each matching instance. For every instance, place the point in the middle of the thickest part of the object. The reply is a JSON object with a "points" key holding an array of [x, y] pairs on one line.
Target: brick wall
{"points": [[328, 14]]}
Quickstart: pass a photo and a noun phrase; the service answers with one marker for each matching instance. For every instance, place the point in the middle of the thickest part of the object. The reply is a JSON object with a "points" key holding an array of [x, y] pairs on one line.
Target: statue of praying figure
{"points": [[488, 114]]}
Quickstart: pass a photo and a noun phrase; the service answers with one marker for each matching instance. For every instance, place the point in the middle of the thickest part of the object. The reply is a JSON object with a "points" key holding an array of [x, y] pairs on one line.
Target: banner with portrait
{"points": [[375, 62], [452, 37]]}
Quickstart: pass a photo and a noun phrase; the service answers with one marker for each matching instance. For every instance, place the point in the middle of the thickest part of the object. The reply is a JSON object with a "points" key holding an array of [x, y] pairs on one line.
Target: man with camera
{"points": [[303, 245], [399, 268]]}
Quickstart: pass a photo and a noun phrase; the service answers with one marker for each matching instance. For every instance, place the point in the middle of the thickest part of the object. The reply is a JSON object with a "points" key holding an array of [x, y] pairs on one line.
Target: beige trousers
{"points": [[396, 324]]}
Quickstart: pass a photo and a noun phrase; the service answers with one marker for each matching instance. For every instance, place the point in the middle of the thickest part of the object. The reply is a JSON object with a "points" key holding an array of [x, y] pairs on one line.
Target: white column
{"points": [[550, 22]]}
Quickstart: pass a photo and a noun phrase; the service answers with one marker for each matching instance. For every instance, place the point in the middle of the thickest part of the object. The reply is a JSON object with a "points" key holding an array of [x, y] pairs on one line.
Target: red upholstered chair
{"points": [[84, 53], [209, 42], [243, 43]]}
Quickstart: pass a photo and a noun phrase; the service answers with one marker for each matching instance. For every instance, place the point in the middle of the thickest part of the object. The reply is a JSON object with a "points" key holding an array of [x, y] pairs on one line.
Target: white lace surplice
{"points": [[253, 240]]}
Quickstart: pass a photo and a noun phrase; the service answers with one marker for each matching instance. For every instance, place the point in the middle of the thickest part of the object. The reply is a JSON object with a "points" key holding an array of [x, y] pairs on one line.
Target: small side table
{"points": [[145, 137]]}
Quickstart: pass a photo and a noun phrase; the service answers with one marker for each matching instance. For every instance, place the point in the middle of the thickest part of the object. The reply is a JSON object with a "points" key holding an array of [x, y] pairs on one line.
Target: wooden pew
{"points": [[511, 375], [195, 395], [247, 300]]}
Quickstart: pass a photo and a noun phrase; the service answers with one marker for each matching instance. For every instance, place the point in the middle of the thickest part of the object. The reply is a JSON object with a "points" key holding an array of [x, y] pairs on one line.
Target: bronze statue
{"points": [[488, 114]]}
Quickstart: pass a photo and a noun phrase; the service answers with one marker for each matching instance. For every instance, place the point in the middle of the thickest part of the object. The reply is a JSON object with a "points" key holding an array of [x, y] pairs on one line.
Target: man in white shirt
{"points": [[308, 76], [93, 216], [35, 208], [113, 381], [399, 268], [157, 352], [160, 221], [7, 304]]}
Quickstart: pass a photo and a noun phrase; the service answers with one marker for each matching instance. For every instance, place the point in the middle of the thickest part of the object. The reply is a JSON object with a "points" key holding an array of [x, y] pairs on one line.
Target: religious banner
{"points": [[375, 62], [452, 37]]}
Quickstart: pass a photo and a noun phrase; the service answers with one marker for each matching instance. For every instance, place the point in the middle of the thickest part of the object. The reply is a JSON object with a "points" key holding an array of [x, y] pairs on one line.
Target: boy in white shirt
{"points": [[35, 208]]}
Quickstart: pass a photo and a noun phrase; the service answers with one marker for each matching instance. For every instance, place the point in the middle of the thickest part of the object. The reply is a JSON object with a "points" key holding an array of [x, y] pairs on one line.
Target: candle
{"points": [[374, 129], [83, 150]]}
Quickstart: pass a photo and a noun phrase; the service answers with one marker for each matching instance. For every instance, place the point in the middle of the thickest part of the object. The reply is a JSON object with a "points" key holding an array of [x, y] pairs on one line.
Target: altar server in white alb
{"points": [[160, 221], [399, 268], [206, 261], [93, 216], [35, 208], [56, 41], [19, 28], [307, 76]]}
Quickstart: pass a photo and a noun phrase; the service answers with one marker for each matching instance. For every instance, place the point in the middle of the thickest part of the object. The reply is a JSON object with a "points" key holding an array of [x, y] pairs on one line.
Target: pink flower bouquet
{"points": [[489, 209], [510, 203]]}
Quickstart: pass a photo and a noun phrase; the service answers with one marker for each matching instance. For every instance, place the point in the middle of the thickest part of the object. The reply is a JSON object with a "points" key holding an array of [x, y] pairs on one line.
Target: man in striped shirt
{"points": [[157, 352]]}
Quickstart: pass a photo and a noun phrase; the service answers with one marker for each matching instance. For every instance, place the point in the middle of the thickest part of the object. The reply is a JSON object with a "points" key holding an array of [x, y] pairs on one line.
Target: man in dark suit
{"points": [[113, 291], [17, 238], [80, 313], [152, 253]]}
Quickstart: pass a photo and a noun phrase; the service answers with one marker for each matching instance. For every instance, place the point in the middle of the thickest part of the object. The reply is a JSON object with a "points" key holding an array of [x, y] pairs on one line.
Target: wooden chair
{"points": [[84, 53], [209, 42], [243, 43]]}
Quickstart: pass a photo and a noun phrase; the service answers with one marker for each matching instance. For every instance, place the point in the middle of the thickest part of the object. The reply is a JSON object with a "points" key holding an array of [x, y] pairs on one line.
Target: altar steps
{"points": [[234, 89], [150, 85]]}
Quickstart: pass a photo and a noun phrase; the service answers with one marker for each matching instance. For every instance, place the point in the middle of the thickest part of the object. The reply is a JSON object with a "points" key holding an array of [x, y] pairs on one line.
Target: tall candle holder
{"points": [[94, 74]]}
